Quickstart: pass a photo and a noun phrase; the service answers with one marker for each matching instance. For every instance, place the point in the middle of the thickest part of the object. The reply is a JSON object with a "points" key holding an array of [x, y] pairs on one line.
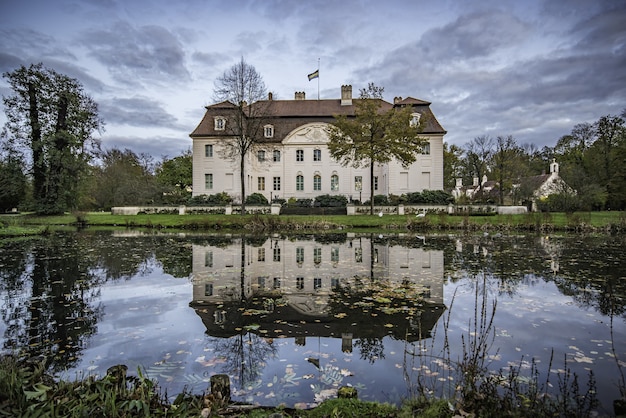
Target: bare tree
{"points": [[479, 152], [243, 86]]}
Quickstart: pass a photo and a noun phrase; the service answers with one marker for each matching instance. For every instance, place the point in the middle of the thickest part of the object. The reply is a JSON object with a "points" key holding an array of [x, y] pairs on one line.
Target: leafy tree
{"points": [[176, 177], [49, 114], [375, 135], [124, 178], [452, 165], [243, 87], [13, 181]]}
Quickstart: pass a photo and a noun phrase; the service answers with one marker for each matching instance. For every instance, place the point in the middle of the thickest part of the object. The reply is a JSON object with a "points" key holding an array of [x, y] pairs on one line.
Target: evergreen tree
{"points": [[49, 114]]}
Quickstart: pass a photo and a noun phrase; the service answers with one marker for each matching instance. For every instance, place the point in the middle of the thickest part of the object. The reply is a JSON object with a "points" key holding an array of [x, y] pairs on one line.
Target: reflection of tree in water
{"points": [[58, 292], [246, 355], [588, 269], [371, 349]]}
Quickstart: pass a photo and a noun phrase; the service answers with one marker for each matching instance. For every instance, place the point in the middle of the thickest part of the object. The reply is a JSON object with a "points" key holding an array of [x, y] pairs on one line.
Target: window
{"points": [[261, 183], [317, 155], [208, 150], [277, 254], [208, 181], [261, 282], [358, 255], [208, 259], [268, 131], [317, 283], [334, 182], [276, 183], [358, 183], [276, 282], [415, 120], [299, 155], [375, 182], [426, 149], [208, 289], [261, 256], [300, 255], [317, 255], [220, 123], [317, 182], [260, 155], [276, 156], [334, 254], [300, 182], [299, 283]]}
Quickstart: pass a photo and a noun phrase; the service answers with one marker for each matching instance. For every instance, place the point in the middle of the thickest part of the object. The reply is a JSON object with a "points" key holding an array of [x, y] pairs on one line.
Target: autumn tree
{"points": [[375, 134], [452, 165], [175, 176], [49, 114], [504, 164], [243, 87]]}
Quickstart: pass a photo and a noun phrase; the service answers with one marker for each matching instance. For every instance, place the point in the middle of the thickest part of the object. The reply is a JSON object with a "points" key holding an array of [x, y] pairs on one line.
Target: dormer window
{"points": [[415, 120], [220, 123], [268, 131]]}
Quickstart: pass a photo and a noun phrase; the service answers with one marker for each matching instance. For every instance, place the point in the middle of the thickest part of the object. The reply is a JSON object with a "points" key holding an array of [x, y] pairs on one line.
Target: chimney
{"points": [[346, 95], [397, 99], [270, 96], [299, 95]]}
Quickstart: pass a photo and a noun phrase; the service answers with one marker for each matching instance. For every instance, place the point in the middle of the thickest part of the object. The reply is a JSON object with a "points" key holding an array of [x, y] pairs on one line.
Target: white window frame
{"points": [[317, 155], [208, 181], [299, 155], [268, 131], [415, 120], [208, 150], [276, 156], [219, 123]]}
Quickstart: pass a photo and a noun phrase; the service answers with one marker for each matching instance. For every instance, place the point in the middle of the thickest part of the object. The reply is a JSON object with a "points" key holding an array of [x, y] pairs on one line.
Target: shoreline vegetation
{"points": [[15, 225]]}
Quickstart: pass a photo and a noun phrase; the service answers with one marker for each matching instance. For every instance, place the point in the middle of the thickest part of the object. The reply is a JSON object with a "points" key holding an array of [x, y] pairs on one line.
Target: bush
{"points": [[562, 202], [256, 199], [432, 197], [330, 201], [218, 199]]}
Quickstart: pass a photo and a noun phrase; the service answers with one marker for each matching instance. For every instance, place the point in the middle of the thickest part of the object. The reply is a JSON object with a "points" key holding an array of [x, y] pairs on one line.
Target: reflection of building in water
{"points": [[303, 274]]}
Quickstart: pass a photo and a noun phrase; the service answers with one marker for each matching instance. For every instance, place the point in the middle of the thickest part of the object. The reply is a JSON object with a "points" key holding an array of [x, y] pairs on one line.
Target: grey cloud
{"points": [[155, 146], [137, 111], [148, 51], [471, 36]]}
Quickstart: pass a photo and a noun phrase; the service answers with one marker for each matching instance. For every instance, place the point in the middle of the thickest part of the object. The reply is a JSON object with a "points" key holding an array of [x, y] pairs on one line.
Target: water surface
{"points": [[292, 318]]}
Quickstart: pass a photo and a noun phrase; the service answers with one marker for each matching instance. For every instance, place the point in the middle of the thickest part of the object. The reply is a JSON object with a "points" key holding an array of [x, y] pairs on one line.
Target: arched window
{"points": [[317, 182], [300, 182], [334, 182]]}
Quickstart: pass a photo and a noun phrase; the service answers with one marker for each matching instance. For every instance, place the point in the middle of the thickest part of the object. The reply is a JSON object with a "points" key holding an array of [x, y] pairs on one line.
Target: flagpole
{"points": [[318, 79]]}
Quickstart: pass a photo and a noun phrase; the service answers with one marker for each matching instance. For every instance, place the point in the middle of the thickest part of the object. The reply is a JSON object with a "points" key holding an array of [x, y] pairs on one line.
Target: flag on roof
{"points": [[314, 74]]}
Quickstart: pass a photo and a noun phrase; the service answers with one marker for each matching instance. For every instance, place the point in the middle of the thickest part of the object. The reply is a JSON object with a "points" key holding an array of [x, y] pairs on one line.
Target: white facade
{"points": [[298, 163]]}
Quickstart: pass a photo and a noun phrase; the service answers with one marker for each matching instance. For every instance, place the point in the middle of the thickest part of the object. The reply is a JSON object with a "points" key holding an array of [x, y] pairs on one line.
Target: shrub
{"points": [[218, 199], [256, 199], [331, 201]]}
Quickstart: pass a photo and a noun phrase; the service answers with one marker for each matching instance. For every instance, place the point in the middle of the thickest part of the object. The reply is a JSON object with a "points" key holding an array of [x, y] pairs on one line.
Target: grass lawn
{"points": [[32, 224]]}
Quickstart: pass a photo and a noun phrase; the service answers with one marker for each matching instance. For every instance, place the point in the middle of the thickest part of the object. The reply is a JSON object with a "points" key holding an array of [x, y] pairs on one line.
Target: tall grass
{"points": [[473, 389]]}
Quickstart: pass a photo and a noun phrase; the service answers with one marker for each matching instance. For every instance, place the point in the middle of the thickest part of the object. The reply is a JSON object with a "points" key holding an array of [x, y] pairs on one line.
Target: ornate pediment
{"points": [[311, 133]]}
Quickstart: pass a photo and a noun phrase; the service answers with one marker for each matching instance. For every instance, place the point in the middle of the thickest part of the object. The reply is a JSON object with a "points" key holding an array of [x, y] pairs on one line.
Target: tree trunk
{"points": [[242, 164], [39, 167], [371, 186]]}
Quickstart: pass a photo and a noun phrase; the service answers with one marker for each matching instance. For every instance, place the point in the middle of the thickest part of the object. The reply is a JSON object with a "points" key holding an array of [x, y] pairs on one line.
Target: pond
{"points": [[291, 318]]}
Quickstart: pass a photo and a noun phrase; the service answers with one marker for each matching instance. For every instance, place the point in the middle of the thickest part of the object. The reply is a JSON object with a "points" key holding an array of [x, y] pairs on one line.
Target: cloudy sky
{"points": [[532, 69]]}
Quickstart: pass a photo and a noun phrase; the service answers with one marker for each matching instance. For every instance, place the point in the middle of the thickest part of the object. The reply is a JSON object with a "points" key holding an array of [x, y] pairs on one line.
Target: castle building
{"points": [[294, 161]]}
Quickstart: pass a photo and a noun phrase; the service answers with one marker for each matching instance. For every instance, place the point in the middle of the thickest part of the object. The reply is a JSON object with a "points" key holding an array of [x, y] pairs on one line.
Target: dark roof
{"points": [[287, 115]]}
